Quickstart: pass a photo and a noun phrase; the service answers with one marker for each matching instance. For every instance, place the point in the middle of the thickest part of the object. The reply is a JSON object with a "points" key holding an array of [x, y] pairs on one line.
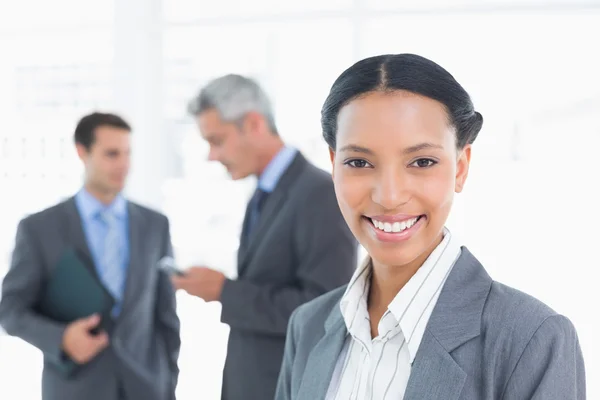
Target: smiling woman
{"points": [[399, 163], [421, 319]]}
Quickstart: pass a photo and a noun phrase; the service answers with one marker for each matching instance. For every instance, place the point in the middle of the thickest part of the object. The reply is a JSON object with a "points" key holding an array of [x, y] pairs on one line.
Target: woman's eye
{"points": [[357, 163], [424, 163]]}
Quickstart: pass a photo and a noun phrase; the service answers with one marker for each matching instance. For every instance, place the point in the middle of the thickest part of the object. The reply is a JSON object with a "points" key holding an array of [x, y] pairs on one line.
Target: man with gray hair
{"points": [[294, 244]]}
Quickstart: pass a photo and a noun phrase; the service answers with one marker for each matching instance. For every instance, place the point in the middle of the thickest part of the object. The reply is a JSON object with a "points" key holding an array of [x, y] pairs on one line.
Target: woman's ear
{"points": [[332, 158], [462, 168]]}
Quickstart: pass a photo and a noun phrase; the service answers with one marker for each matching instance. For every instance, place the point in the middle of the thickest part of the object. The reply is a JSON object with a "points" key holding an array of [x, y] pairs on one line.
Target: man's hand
{"points": [[201, 282], [79, 344]]}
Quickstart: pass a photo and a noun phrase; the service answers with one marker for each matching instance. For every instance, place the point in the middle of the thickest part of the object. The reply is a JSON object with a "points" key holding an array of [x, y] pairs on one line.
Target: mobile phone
{"points": [[168, 265], [173, 271]]}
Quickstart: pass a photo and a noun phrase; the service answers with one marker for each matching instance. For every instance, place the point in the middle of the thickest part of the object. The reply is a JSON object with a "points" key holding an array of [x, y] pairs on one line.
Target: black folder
{"points": [[74, 291]]}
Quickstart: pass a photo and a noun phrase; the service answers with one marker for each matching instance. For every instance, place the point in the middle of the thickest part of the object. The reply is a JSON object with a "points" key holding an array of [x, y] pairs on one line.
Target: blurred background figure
{"points": [[129, 349], [537, 86], [294, 242]]}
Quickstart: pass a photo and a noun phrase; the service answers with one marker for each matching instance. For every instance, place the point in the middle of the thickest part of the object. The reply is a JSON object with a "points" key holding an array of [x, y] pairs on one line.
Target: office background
{"points": [[531, 209]]}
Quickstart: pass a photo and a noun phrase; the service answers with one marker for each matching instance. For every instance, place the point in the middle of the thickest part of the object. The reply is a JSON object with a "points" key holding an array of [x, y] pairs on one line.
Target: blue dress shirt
{"points": [[95, 229], [276, 168]]}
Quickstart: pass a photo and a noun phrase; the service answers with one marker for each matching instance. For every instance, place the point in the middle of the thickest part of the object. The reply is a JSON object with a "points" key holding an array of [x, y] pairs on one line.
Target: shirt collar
{"points": [[359, 283], [411, 302], [275, 169], [90, 207], [353, 304]]}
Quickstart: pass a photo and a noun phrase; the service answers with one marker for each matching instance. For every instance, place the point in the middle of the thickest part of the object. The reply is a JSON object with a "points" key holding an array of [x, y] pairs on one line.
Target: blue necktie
{"points": [[111, 270]]}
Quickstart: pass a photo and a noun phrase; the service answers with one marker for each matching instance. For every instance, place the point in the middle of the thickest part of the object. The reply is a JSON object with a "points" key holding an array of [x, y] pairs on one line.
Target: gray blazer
{"points": [[141, 361], [484, 341], [301, 248]]}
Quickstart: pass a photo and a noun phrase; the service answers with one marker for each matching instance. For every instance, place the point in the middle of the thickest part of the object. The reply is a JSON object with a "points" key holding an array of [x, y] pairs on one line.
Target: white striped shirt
{"points": [[379, 369]]}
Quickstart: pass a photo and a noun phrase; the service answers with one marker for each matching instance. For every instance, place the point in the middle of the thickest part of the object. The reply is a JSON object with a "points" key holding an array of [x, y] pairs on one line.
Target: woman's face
{"points": [[396, 169]]}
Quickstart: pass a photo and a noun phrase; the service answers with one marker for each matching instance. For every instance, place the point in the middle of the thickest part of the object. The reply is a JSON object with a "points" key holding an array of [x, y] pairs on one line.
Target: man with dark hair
{"points": [[294, 244], [131, 351], [85, 131]]}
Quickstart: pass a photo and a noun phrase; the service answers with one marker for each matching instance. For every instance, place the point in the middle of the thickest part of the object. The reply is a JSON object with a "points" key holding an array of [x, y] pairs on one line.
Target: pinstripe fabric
{"points": [[379, 368]]}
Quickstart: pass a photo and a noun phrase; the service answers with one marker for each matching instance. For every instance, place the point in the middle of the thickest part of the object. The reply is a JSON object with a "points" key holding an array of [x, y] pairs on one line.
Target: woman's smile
{"points": [[394, 228]]}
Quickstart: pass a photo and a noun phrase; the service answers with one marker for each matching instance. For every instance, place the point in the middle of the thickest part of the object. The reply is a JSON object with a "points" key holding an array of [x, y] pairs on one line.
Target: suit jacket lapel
{"points": [[136, 266], [244, 236], [270, 210], [434, 375], [76, 235], [323, 359], [455, 320], [272, 204]]}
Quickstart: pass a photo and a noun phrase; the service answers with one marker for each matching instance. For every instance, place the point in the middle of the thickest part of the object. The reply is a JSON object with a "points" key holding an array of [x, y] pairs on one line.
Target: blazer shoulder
{"points": [[514, 322], [313, 183], [512, 317], [515, 307], [149, 213], [316, 176], [314, 313], [46, 215]]}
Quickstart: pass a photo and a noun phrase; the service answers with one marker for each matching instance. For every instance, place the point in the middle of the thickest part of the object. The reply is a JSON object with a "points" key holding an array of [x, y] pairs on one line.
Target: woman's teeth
{"points": [[395, 227]]}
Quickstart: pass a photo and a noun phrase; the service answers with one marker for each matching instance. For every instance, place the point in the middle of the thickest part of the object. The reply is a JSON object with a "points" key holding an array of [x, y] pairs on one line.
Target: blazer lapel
{"points": [[272, 205], [270, 210], [136, 266], [434, 375], [243, 236], [323, 359], [455, 320], [76, 235]]}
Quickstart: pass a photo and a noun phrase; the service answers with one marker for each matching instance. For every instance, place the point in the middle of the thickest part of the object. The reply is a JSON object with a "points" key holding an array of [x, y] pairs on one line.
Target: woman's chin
{"points": [[391, 258]]}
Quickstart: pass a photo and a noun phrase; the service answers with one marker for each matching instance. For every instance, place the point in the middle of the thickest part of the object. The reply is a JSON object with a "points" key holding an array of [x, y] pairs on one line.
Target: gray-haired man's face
{"points": [[228, 143]]}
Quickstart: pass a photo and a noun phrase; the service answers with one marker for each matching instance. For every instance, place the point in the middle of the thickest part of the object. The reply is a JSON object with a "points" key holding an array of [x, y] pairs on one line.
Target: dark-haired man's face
{"points": [[229, 144], [107, 161], [396, 169]]}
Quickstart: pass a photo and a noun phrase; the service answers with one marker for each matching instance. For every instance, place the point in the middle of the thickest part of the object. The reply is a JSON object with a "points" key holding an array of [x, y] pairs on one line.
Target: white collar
{"points": [[409, 306]]}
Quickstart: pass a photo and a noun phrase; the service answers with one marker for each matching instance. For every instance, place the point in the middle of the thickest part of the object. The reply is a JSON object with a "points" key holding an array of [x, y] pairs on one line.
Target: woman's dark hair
{"points": [[409, 72]]}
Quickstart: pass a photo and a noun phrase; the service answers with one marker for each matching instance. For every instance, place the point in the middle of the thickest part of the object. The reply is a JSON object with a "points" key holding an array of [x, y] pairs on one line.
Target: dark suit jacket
{"points": [[483, 341], [142, 356], [300, 249]]}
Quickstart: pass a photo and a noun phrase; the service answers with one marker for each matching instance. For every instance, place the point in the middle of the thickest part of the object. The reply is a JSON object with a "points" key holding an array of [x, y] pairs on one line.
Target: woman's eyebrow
{"points": [[421, 146], [408, 150], [357, 149]]}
